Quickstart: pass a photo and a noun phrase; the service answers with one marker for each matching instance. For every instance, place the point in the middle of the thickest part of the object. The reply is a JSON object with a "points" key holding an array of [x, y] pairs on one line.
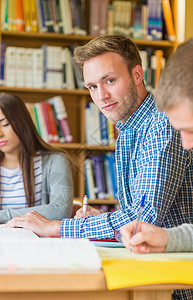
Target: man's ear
{"points": [[137, 73]]}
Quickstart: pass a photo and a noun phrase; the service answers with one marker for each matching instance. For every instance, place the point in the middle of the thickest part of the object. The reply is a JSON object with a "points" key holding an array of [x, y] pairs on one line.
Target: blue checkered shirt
{"points": [[151, 160]]}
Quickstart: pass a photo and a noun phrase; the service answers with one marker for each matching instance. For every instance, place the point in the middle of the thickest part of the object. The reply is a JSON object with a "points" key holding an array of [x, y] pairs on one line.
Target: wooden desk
{"points": [[75, 286]]}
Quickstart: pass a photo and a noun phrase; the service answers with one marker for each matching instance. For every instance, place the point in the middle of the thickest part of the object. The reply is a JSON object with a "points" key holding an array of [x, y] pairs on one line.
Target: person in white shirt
{"points": [[33, 175]]}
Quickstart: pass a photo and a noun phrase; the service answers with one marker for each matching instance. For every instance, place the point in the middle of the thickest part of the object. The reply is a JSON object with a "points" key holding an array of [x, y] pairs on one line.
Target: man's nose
{"points": [[103, 94]]}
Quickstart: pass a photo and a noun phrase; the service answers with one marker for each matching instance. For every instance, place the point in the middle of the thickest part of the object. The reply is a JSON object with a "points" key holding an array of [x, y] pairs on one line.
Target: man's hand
{"points": [[149, 238], [37, 223], [89, 212]]}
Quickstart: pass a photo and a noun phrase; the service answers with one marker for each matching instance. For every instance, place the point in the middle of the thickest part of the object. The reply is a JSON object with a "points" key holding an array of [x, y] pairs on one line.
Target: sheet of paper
{"points": [[16, 233], [126, 254], [49, 253]]}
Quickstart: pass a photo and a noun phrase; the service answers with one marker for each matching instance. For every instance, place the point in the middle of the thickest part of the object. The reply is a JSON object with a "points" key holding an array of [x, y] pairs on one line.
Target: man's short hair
{"points": [[109, 43], [176, 80]]}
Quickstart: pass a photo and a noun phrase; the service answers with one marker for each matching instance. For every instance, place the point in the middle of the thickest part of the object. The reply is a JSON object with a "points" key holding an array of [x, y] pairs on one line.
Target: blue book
{"points": [[152, 19], [41, 16], [2, 63], [104, 129], [44, 47], [99, 176], [137, 34], [110, 156]]}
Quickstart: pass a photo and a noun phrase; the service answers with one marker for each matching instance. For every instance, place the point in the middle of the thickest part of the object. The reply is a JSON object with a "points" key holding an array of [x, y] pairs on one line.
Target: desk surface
{"points": [[76, 286]]}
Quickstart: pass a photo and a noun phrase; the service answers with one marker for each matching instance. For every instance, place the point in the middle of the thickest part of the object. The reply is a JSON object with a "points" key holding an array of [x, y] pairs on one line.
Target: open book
{"points": [[21, 249]]}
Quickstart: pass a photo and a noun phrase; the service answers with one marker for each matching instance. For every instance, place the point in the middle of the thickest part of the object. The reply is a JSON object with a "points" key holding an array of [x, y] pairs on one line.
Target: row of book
{"points": [[100, 176], [46, 67], [59, 16], [99, 130], [51, 120], [144, 19], [153, 63]]}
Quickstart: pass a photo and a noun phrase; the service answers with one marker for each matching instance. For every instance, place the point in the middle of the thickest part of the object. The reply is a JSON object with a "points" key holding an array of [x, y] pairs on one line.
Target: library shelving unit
{"points": [[75, 100]]}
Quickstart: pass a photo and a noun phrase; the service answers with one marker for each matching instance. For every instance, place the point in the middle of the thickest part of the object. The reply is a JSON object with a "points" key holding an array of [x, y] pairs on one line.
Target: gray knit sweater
{"points": [[180, 238], [57, 191]]}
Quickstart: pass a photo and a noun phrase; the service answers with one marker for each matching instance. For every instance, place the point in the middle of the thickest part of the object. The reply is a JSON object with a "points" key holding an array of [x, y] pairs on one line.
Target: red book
{"points": [[52, 122]]}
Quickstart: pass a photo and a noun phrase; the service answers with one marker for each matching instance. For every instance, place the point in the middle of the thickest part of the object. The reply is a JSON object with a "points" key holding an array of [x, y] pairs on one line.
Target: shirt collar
{"points": [[137, 118]]}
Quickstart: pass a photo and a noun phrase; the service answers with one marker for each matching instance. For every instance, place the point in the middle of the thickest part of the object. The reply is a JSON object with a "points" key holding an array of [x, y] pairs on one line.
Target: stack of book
{"points": [[51, 120]]}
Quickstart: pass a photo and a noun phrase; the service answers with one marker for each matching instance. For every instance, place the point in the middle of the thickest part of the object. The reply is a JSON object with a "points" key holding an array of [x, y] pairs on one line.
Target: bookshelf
{"points": [[76, 100]]}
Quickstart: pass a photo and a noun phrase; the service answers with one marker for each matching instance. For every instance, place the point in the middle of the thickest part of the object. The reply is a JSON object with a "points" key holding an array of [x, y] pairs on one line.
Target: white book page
{"points": [[16, 233], [49, 253]]}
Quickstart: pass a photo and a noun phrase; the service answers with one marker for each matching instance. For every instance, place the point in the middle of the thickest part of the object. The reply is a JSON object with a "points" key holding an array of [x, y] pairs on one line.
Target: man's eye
{"points": [[110, 80], [92, 87]]}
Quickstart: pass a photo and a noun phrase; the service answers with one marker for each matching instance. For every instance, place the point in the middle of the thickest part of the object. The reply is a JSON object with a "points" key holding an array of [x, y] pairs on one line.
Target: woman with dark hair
{"points": [[33, 175]]}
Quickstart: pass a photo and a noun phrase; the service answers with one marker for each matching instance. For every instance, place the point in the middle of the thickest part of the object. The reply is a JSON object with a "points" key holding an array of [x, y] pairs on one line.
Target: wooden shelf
{"points": [[45, 91], [83, 146], [104, 201]]}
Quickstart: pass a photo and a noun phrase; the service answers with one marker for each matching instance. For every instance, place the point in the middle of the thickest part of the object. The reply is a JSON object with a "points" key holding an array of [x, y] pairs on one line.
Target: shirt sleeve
{"points": [[180, 239], [57, 192], [157, 165]]}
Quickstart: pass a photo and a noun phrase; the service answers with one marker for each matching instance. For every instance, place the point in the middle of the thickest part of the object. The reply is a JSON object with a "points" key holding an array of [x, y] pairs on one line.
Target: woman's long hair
{"points": [[19, 118]]}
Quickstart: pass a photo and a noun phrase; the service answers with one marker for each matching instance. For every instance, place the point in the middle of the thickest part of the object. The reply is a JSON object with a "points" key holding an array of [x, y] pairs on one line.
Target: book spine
{"points": [[34, 16], [89, 179], [108, 178], [37, 120], [5, 23], [98, 176], [52, 122], [30, 68], [137, 23], [167, 13], [94, 17], [159, 56], [41, 17], [20, 23], [59, 130], [42, 122], [55, 16], [47, 121], [2, 63], [104, 129], [111, 133], [59, 16], [10, 66], [111, 158], [27, 15], [20, 56]]}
